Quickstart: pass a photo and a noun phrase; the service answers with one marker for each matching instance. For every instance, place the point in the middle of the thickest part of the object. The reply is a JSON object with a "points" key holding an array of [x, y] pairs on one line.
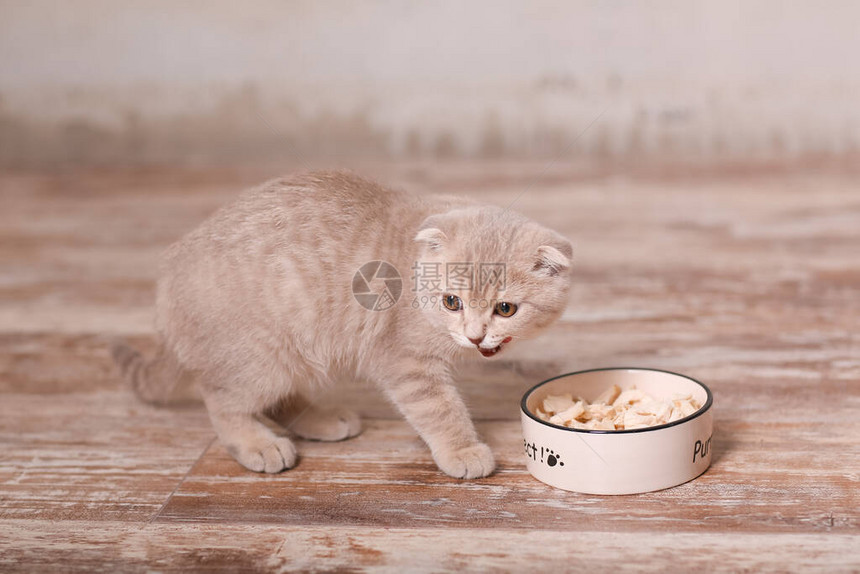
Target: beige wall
{"points": [[701, 81]]}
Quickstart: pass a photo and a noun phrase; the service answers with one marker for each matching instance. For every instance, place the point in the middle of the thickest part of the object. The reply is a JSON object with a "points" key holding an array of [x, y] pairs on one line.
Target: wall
{"points": [[159, 81]]}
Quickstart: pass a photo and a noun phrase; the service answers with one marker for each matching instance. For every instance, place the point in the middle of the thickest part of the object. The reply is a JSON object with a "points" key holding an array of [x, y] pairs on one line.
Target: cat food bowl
{"points": [[638, 459]]}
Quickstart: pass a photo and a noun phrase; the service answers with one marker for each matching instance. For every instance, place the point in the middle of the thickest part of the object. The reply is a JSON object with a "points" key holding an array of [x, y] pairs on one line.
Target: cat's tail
{"points": [[153, 380]]}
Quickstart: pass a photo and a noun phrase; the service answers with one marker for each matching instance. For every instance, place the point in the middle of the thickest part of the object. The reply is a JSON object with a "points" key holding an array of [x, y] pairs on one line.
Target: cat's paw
{"points": [[328, 424], [270, 456], [470, 462]]}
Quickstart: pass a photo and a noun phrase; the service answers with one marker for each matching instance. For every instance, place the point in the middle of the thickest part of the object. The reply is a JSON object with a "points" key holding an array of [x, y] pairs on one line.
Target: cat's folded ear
{"points": [[431, 235], [554, 258]]}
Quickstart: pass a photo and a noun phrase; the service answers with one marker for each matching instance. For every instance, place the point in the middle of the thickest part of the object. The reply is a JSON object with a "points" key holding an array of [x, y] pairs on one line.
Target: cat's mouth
{"points": [[490, 352]]}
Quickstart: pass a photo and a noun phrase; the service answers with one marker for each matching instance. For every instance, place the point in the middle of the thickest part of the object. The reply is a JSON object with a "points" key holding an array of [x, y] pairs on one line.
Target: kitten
{"points": [[262, 303]]}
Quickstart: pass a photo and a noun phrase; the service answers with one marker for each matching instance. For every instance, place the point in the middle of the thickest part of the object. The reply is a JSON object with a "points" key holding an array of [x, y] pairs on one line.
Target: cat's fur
{"points": [[257, 303]]}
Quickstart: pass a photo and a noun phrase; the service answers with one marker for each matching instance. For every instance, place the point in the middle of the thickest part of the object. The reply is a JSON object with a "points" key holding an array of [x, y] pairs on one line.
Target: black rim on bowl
{"points": [[701, 411]]}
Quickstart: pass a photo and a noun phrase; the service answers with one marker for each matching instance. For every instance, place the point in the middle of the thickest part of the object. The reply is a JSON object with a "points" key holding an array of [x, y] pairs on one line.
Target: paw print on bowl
{"points": [[553, 459]]}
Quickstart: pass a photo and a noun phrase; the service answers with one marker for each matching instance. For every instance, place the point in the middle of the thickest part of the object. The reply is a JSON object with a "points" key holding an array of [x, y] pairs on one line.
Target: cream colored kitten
{"points": [[263, 304]]}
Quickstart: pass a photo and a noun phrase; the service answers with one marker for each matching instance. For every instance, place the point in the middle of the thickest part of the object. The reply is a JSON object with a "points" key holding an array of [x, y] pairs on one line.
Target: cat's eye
{"points": [[505, 309], [452, 302]]}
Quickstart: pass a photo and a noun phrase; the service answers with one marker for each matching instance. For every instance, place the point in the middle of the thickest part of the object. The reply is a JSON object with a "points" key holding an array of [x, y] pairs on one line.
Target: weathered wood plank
{"points": [[762, 480], [94, 455], [40, 546]]}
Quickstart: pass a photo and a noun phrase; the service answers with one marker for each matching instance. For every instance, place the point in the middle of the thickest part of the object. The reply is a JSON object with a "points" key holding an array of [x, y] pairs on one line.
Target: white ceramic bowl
{"points": [[624, 461]]}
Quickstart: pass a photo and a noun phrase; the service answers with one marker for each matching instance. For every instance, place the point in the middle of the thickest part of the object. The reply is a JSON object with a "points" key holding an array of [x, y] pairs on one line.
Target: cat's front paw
{"points": [[270, 456], [470, 462]]}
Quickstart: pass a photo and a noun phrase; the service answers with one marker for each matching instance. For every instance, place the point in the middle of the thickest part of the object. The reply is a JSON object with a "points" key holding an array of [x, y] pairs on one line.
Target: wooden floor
{"points": [[749, 282]]}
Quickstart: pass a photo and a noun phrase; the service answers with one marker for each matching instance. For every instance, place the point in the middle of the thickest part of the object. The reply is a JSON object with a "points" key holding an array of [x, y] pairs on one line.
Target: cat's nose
{"points": [[476, 342]]}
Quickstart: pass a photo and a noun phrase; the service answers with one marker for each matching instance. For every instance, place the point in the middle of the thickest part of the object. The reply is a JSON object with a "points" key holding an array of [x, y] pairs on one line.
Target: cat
{"points": [[262, 303]]}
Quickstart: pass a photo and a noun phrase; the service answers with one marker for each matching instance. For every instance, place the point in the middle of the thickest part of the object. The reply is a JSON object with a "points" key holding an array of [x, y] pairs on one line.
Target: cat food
{"points": [[615, 409]]}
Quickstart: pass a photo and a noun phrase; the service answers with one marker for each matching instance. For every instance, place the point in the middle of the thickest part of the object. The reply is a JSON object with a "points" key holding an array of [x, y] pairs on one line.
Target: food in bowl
{"points": [[615, 409], [618, 461]]}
